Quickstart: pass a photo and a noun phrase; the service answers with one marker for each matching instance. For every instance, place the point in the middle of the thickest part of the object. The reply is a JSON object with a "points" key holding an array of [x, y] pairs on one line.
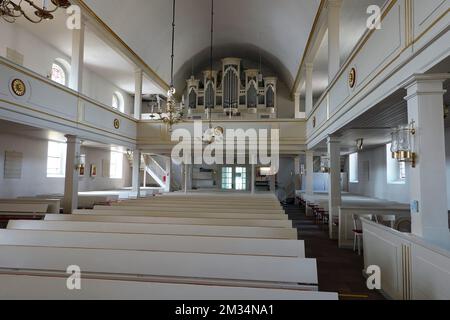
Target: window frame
{"points": [[64, 70], [116, 165], [353, 170], [61, 150]]}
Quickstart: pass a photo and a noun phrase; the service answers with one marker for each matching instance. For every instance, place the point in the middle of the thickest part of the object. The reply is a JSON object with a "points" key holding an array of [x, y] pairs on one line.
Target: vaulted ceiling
{"points": [[279, 30]]}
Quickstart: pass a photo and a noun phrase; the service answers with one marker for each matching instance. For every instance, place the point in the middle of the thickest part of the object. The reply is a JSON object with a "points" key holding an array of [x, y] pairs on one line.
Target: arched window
{"points": [[59, 74], [118, 102]]}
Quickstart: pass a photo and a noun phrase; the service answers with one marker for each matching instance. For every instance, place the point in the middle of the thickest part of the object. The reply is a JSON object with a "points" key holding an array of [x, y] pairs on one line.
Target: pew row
{"points": [[170, 220], [188, 209], [187, 230], [30, 286], [206, 269], [192, 204], [163, 213], [148, 242], [30, 208], [54, 205]]}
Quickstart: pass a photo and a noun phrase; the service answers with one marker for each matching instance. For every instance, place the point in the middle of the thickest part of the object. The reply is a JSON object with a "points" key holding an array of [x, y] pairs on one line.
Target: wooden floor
{"points": [[339, 270]]}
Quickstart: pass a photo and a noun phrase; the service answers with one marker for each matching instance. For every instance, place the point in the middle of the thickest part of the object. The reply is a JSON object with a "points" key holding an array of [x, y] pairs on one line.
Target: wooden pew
{"points": [[54, 205], [29, 286], [149, 242], [207, 269], [162, 213], [170, 220], [33, 208], [188, 230], [181, 209]]}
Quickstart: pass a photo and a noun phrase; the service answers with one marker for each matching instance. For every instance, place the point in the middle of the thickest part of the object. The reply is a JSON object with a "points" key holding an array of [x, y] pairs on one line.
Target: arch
{"points": [[60, 71], [118, 101], [252, 95]]}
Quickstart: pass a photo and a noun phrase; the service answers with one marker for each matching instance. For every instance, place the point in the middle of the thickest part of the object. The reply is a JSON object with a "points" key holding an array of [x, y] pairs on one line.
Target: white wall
{"points": [[373, 183], [34, 179], [376, 186], [39, 57]]}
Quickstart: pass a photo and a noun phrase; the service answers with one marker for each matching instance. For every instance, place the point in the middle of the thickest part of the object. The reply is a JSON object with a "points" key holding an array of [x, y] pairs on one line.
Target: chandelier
{"points": [[173, 113], [11, 10]]}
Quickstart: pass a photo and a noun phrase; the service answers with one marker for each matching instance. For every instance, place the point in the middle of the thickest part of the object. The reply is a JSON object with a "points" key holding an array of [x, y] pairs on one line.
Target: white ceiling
{"points": [[279, 28], [276, 30]]}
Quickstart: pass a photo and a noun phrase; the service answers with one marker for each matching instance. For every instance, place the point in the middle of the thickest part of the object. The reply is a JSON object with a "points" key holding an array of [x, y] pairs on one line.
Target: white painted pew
{"points": [[199, 203], [211, 269], [188, 230], [54, 205], [161, 213], [185, 209], [86, 201], [33, 287], [169, 220], [23, 207], [148, 242]]}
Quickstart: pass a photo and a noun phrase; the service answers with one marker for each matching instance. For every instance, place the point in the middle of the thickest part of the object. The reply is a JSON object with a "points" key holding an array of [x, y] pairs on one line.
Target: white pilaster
{"points": [[428, 185], [71, 179], [334, 194], [309, 103], [309, 187], [136, 177], [77, 61], [138, 78], [298, 114], [334, 52]]}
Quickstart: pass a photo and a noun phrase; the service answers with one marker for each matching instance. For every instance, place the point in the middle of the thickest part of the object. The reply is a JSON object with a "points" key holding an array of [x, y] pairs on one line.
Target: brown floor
{"points": [[339, 270]]}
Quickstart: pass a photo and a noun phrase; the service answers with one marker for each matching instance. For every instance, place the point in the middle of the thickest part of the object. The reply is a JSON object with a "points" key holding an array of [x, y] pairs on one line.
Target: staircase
{"points": [[154, 169]]}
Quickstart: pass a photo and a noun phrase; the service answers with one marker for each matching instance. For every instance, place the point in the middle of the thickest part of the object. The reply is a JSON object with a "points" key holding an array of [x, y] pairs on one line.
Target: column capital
{"points": [[72, 139], [425, 84], [333, 139]]}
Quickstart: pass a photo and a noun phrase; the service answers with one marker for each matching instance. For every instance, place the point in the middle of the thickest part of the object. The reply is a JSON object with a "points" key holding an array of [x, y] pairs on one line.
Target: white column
{"points": [[334, 52], [334, 194], [71, 180], [309, 103], [138, 78], [428, 185], [309, 187], [136, 178], [186, 177], [77, 61], [253, 182]]}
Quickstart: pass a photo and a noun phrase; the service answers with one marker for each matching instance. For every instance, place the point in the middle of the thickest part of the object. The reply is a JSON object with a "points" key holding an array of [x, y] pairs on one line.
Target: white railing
{"points": [[152, 167]]}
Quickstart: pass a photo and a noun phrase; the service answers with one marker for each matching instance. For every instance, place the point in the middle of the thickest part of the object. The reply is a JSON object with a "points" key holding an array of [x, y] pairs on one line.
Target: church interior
{"points": [[224, 150]]}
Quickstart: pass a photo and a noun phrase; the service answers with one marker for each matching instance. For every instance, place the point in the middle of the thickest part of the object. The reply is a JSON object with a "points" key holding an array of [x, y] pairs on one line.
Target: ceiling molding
{"points": [[100, 25], [307, 48]]}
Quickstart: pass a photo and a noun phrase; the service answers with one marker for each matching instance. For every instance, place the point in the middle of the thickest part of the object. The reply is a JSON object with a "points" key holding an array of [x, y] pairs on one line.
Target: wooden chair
{"points": [[358, 231]]}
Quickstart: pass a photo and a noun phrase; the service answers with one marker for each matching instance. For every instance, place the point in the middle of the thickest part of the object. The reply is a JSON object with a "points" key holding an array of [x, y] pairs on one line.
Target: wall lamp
{"points": [[402, 147]]}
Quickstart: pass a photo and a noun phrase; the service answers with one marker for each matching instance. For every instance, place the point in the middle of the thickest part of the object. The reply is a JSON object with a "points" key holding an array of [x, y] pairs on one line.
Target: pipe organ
{"points": [[232, 91]]}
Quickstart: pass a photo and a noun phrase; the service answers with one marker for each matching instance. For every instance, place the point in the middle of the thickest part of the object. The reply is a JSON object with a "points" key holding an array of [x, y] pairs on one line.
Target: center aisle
{"points": [[338, 270]]}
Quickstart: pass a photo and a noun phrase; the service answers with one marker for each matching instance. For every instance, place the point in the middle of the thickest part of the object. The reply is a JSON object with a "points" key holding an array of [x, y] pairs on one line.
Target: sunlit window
{"points": [[116, 165], [395, 171], [118, 102], [353, 168], [241, 178], [56, 159], [227, 178], [59, 74]]}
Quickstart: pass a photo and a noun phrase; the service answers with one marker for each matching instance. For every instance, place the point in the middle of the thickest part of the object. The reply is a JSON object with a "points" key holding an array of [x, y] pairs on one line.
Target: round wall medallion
{"points": [[18, 87], [352, 78], [116, 123]]}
